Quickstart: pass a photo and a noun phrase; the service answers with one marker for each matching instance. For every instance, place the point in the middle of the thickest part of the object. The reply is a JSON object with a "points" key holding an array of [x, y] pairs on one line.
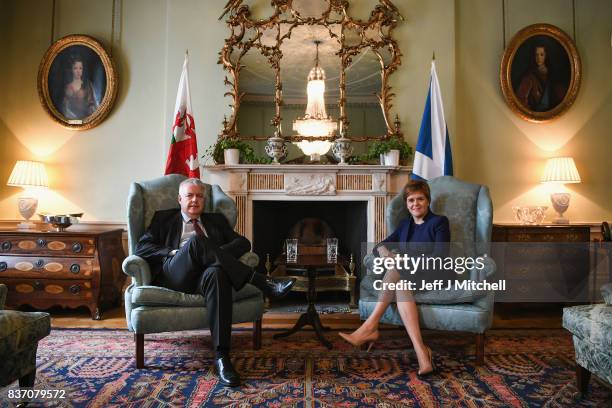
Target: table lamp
{"points": [[31, 176], [560, 170]]}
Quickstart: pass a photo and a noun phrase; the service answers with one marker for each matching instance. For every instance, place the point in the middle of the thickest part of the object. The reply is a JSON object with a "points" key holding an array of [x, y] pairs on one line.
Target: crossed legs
{"points": [[196, 268], [407, 309]]}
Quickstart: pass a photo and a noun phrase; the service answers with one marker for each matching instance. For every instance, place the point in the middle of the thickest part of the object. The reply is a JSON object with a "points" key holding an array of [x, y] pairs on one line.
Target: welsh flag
{"points": [[183, 153]]}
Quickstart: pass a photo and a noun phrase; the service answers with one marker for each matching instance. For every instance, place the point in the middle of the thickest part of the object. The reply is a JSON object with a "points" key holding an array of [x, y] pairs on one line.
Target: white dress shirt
{"points": [[189, 230]]}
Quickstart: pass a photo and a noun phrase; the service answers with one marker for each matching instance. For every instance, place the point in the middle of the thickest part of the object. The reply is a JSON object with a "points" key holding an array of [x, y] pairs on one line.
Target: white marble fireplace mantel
{"points": [[247, 183]]}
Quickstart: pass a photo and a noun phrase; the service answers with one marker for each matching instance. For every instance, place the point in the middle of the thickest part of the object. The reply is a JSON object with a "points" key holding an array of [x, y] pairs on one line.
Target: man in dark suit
{"points": [[195, 252]]}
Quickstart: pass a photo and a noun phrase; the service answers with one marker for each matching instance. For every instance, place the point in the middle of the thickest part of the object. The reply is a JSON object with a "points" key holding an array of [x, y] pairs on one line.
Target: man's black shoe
{"points": [[276, 288], [226, 372]]}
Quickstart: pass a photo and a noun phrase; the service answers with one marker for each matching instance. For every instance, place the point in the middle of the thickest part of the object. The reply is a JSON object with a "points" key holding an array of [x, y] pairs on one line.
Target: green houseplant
{"points": [[247, 154], [380, 147]]}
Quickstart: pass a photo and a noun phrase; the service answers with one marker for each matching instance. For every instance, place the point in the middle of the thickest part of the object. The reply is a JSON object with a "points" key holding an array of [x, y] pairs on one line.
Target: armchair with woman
{"points": [[465, 227]]}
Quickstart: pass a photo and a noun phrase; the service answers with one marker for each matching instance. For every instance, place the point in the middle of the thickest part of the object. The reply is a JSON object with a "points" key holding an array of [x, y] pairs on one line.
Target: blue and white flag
{"points": [[433, 152]]}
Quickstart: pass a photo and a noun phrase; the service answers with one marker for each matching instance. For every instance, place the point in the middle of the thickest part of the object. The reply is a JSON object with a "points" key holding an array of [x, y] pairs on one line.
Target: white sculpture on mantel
{"points": [[310, 184]]}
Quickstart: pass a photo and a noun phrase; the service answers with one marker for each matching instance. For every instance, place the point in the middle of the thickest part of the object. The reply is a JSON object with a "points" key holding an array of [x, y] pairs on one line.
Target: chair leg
{"points": [[480, 348], [139, 339], [27, 381], [582, 379], [257, 334]]}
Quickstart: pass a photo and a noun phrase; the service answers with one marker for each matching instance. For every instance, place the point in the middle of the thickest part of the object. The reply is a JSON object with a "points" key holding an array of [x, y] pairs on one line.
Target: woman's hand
{"points": [[384, 252]]}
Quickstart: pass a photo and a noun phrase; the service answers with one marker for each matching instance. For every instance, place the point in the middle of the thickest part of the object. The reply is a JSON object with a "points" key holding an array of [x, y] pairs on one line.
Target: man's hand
{"points": [[173, 252]]}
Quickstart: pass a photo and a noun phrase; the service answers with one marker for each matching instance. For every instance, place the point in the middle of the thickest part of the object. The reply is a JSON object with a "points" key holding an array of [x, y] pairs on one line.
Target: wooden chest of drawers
{"points": [[78, 267], [543, 263]]}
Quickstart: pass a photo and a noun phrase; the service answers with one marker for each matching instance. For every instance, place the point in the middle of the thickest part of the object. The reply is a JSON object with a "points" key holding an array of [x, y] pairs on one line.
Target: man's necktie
{"points": [[197, 228]]}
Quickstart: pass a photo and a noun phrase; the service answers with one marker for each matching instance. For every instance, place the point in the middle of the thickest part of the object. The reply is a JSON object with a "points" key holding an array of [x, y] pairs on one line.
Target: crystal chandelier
{"points": [[315, 122]]}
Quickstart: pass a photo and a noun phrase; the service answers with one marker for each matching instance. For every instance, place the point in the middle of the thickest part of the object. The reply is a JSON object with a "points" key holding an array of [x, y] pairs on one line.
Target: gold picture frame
{"points": [[540, 73], [77, 82]]}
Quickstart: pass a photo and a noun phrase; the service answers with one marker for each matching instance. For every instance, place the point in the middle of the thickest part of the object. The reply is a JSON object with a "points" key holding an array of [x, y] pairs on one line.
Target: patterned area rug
{"points": [[522, 369]]}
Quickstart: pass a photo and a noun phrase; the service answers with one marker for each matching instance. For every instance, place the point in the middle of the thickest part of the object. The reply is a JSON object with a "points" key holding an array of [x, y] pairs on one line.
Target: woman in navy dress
{"points": [[421, 232]]}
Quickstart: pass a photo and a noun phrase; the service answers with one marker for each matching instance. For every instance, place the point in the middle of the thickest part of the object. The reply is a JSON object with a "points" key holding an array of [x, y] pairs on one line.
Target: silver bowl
{"points": [[60, 222]]}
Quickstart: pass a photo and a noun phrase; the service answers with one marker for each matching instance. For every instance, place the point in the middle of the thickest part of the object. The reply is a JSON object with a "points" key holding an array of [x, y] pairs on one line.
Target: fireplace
{"points": [[344, 196], [272, 198]]}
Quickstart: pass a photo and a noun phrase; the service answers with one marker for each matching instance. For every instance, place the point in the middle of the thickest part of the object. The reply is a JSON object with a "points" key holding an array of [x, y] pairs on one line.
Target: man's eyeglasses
{"points": [[189, 196]]}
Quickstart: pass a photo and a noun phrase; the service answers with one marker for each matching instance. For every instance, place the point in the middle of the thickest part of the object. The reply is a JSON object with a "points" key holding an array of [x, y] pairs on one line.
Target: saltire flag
{"points": [[183, 153], [432, 157]]}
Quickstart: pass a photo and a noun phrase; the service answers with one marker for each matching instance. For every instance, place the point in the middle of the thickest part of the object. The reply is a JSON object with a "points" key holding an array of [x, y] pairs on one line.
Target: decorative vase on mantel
{"points": [[276, 148], [342, 149]]}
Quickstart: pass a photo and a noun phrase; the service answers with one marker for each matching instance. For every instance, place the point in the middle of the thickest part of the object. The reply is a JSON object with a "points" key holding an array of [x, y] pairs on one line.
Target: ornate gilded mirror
{"points": [[278, 65]]}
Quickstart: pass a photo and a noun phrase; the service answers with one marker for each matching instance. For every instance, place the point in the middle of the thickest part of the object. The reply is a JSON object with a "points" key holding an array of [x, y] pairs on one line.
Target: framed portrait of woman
{"points": [[77, 82], [540, 73]]}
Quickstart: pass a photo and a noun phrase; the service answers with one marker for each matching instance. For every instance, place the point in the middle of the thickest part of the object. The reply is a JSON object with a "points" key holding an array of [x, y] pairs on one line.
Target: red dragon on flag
{"points": [[183, 153]]}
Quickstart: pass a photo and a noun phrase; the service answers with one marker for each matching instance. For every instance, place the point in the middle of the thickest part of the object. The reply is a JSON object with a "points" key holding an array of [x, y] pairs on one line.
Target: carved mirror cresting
{"points": [[268, 61]]}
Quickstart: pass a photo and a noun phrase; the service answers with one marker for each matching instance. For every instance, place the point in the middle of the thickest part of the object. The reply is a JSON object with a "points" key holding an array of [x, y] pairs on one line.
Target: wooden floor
{"points": [[507, 316]]}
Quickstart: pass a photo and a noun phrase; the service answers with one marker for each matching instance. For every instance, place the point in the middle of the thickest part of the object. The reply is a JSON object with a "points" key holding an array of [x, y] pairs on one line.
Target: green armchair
{"points": [[152, 309], [470, 213], [20, 333]]}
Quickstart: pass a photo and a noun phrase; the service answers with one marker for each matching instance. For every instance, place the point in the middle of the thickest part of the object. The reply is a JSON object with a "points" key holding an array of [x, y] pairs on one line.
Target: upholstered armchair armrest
{"points": [[138, 269], [368, 262], [606, 293], [3, 292], [478, 275], [250, 259]]}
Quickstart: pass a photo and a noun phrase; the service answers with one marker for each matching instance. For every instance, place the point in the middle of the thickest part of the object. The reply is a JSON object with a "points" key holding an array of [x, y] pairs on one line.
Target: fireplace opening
{"points": [[273, 222]]}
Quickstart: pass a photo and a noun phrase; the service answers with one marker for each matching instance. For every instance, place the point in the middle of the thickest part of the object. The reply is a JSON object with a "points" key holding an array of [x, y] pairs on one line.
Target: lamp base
{"points": [[560, 202], [560, 221], [26, 225], [27, 207]]}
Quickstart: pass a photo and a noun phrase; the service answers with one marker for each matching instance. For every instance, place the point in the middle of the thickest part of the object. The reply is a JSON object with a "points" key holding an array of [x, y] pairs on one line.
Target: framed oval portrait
{"points": [[540, 73], [77, 82]]}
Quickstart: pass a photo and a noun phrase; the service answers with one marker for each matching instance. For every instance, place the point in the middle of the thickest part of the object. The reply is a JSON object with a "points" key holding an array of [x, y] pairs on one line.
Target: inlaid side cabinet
{"points": [[542, 262], [77, 267]]}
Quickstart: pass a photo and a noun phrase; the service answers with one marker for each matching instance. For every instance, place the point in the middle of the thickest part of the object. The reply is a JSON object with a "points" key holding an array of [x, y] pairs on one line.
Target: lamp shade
{"points": [[560, 170], [28, 174]]}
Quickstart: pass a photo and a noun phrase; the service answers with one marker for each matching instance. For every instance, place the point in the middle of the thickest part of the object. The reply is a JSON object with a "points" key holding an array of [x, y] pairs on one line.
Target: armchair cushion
{"points": [[158, 296]]}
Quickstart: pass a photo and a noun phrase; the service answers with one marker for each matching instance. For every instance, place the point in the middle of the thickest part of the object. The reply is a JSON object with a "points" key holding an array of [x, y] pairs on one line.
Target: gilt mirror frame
{"points": [[383, 19]]}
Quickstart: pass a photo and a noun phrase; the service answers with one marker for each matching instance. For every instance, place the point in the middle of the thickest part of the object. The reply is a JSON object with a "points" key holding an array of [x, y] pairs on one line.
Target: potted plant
{"points": [[389, 151], [233, 151]]}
